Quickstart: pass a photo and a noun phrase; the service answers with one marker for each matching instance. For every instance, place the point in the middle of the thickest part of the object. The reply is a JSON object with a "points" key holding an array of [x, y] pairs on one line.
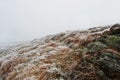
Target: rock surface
{"points": [[93, 54], [115, 29]]}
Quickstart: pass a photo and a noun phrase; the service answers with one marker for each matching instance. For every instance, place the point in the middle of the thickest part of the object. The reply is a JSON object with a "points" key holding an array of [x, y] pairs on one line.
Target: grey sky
{"points": [[22, 20]]}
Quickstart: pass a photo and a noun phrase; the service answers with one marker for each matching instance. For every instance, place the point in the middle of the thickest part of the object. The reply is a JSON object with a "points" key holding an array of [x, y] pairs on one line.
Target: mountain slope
{"points": [[93, 54]]}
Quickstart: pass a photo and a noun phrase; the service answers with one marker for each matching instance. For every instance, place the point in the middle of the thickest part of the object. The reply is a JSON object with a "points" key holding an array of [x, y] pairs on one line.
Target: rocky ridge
{"points": [[92, 54]]}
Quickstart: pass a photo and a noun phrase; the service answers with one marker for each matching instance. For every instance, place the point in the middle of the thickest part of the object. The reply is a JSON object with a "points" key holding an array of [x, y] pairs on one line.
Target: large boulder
{"points": [[96, 46], [113, 41], [115, 29], [109, 63]]}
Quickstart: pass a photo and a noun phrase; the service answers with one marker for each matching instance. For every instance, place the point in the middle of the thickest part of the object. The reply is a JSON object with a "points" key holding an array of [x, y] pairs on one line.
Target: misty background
{"points": [[23, 20]]}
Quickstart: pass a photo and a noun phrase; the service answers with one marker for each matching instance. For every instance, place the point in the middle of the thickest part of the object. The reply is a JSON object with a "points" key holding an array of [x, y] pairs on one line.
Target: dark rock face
{"points": [[103, 54], [110, 64], [107, 49], [115, 29], [109, 61], [112, 41]]}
